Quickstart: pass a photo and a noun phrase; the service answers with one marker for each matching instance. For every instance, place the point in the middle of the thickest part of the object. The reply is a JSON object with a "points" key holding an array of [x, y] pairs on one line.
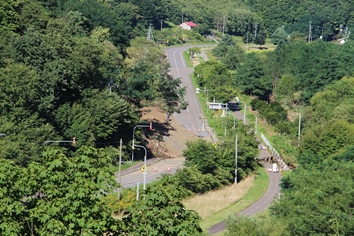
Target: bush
{"points": [[273, 112]]}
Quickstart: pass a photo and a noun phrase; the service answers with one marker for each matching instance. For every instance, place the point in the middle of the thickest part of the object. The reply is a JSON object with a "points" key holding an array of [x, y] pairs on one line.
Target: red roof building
{"points": [[188, 25]]}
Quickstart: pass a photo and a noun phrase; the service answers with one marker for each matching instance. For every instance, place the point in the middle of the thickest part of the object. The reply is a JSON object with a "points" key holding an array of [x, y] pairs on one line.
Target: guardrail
{"points": [[275, 154]]}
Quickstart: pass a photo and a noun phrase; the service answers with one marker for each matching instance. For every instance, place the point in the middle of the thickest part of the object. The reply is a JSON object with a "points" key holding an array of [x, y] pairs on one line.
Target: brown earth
{"points": [[169, 137]]}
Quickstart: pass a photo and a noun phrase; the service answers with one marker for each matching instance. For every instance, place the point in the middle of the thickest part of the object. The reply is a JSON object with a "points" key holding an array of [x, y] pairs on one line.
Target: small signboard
{"points": [[217, 106]]}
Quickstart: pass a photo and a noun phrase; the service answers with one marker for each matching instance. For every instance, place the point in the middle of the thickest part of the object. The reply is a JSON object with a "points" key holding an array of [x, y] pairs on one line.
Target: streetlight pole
{"points": [[150, 126], [144, 173], [207, 93], [321, 37]]}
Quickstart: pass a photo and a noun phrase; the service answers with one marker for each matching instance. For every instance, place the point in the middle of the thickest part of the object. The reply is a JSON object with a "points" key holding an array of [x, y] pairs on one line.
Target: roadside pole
{"points": [[236, 160], [120, 167]]}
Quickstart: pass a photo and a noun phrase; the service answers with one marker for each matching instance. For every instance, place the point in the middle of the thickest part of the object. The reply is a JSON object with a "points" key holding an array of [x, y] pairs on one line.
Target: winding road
{"points": [[191, 120]]}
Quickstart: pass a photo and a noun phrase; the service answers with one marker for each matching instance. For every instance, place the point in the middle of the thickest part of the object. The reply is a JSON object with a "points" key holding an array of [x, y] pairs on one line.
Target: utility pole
{"points": [[150, 37], [256, 126], [223, 28], [182, 17], [310, 32], [247, 43], [137, 191], [299, 130], [255, 31], [120, 166], [236, 160], [244, 115]]}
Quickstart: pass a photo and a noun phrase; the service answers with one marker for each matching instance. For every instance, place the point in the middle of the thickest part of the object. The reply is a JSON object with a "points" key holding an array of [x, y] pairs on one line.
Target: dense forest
{"points": [[84, 69]]}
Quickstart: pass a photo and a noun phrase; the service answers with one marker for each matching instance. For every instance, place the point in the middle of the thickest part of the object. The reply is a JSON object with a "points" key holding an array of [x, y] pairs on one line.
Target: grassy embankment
{"points": [[255, 192]]}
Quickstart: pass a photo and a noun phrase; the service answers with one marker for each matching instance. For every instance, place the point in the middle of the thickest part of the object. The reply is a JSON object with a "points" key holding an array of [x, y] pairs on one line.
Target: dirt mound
{"points": [[169, 136]]}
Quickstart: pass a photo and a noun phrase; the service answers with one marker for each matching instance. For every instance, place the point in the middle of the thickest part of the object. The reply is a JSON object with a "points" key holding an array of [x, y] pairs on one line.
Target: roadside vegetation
{"points": [[270, 88], [78, 73]]}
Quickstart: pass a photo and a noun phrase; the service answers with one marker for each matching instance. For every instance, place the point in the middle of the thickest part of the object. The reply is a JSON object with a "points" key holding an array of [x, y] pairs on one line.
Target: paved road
{"points": [[191, 117], [156, 167], [271, 193]]}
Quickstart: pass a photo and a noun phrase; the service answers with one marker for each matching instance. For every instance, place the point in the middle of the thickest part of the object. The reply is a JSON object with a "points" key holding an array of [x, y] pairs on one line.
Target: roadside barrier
{"points": [[275, 154]]}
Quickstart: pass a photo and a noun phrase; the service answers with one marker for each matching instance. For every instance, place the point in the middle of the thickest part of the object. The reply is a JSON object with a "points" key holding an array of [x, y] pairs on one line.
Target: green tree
{"points": [[100, 117], [61, 197], [24, 137], [260, 38], [317, 200], [335, 101], [251, 77], [160, 214], [328, 139], [17, 92], [201, 154], [233, 57], [279, 36], [224, 46]]}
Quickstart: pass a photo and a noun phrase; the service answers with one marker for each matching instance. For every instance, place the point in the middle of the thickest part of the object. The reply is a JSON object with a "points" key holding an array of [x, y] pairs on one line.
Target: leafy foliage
{"points": [[158, 214], [220, 161], [274, 113], [279, 36], [263, 225], [317, 200], [62, 196]]}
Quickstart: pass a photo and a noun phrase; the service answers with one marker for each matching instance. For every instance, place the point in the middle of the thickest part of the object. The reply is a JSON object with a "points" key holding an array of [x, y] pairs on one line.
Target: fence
{"points": [[275, 154]]}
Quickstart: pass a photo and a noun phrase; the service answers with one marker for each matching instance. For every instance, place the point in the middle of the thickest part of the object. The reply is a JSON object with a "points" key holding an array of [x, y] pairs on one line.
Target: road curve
{"points": [[264, 202], [191, 117]]}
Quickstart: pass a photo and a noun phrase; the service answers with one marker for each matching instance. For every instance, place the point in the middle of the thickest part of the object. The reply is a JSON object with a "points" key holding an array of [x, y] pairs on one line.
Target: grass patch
{"points": [[210, 56], [187, 59], [259, 187], [205, 204]]}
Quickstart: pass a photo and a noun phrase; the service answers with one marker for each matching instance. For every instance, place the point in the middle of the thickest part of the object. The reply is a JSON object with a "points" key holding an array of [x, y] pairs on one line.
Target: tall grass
{"points": [[255, 192], [214, 201]]}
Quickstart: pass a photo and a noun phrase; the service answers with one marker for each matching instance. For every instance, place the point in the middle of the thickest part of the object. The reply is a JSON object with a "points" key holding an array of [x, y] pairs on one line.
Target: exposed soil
{"points": [[169, 137]]}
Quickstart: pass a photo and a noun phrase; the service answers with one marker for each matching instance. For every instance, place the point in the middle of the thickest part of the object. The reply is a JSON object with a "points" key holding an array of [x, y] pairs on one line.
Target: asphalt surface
{"points": [[156, 167], [264, 202], [192, 119]]}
